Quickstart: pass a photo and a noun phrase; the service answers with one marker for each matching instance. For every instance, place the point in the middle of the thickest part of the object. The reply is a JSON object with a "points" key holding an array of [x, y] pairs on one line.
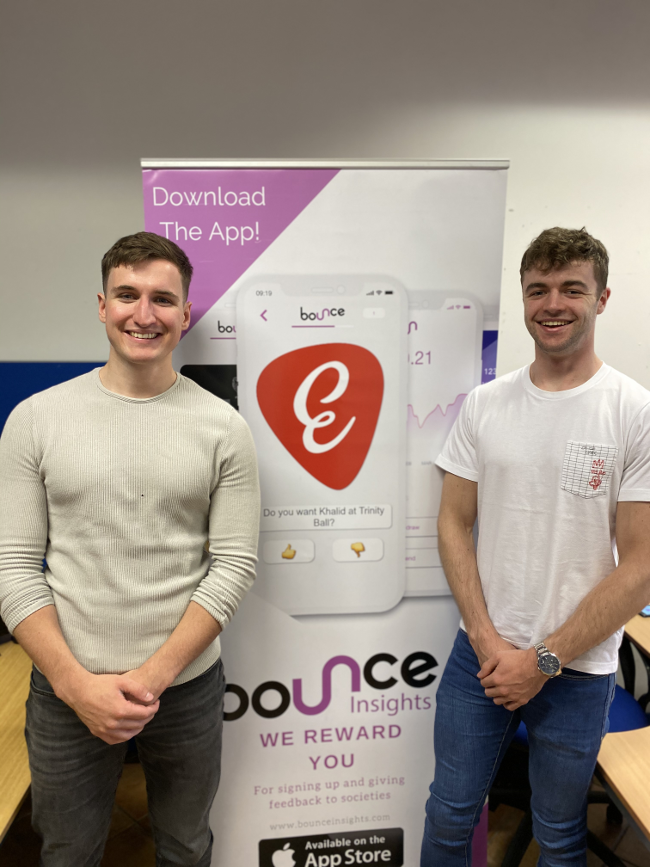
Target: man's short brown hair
{"points": [[557, 247], [142, 247]]}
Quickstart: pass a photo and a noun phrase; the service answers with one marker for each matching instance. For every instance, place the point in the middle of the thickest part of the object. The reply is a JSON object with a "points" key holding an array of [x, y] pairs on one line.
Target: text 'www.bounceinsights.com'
{"points": [[324, 823]]}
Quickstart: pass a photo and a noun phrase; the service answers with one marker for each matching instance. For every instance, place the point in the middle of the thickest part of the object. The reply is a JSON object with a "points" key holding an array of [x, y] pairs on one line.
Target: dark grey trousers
{"points": [[75, 774]]}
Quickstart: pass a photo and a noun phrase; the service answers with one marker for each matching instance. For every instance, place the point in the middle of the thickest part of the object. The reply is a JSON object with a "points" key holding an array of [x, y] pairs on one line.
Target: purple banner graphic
{"points": [[225, 219]]}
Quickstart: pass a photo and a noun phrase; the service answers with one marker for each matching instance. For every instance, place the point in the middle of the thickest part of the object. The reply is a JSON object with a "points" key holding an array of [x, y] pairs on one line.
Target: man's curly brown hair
{"points": [[557, 247]]}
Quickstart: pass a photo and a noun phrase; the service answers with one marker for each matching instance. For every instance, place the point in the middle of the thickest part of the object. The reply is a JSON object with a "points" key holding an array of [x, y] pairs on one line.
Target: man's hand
{"points": [[151, 678], [488, 645], [196, 630], [115, 707], [511, 677]]}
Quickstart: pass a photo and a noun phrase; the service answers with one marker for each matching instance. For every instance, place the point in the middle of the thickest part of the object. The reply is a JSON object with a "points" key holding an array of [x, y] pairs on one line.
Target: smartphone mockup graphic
{"points": [[322, 383], [444, 337]]}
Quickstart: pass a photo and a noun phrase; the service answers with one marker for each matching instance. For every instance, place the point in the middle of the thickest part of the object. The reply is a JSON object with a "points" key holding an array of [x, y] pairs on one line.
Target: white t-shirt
{"points": [[551, 467]]}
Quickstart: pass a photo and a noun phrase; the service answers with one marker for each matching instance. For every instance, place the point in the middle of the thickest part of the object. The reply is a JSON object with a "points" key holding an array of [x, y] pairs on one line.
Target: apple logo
{"points": [[283, 857]]}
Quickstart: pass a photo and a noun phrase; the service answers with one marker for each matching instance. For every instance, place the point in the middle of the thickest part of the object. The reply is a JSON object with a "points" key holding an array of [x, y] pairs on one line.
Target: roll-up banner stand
{"points": [[346, 309]]}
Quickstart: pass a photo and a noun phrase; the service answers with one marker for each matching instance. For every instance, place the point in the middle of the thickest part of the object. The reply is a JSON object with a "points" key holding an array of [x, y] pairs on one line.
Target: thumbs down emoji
{"points": [[357, 547]]}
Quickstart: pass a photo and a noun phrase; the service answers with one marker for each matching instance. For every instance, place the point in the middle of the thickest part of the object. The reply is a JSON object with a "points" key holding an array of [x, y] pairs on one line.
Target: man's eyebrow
{"points": [[125, 286], [166, 292], [565, 285]]}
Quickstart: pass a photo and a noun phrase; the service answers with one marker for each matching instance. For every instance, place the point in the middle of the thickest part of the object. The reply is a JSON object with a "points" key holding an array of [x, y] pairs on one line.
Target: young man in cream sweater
{"points": [[118, 478], [554, 459]]}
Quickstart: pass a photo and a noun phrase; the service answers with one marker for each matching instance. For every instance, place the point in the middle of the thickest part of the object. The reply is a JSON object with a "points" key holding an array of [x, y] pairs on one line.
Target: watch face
{"points": [[548, 664]]}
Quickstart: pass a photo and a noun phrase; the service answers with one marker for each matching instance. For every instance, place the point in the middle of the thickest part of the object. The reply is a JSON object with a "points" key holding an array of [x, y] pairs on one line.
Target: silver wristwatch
{"points": [[547, 662]]}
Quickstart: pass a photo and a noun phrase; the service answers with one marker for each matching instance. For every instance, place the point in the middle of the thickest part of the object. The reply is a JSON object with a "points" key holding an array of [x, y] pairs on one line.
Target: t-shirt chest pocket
{"points": [[587, 468]]}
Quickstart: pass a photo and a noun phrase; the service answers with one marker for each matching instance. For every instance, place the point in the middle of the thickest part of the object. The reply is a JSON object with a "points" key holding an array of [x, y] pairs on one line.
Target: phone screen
{"points": [[444, 335], [322, 384]]}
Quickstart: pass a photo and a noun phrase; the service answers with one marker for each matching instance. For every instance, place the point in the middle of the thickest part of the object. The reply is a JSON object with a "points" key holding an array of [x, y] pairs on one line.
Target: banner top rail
{"points": [[211, 163]]}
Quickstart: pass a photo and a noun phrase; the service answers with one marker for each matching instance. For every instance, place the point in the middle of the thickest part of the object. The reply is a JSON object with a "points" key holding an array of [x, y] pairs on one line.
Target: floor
{"points": [[130, 843], [622, 839]]}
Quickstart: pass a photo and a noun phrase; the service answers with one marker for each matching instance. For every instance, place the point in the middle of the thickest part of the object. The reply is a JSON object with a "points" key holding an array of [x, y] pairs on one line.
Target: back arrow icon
{"points": [[263, 316]]}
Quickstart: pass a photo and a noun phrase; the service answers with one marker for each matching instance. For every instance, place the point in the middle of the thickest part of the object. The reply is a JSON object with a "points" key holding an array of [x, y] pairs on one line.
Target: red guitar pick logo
{"points": [[322, 403]]}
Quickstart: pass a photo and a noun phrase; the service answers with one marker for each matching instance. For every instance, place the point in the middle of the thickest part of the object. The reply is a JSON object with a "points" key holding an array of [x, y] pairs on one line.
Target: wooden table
{"points": [[15, 668], [638, 631], [624, 768], [624, 757]]}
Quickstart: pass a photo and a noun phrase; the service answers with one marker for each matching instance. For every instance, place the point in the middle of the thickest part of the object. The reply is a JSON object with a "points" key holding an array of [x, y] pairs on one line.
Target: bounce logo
{"points": [[322, 402], [415, 671], [307, 316]]}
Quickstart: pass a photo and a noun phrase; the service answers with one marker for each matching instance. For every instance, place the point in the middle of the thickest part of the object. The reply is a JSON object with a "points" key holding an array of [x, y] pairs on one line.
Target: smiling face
{"points": [[560, 307], [144, 312]]}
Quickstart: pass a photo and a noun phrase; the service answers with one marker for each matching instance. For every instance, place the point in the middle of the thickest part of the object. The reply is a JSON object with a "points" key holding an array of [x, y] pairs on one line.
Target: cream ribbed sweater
{"points": [[120, 495]]}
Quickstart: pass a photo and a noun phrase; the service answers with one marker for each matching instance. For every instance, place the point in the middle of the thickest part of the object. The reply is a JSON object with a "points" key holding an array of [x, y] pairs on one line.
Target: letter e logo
{"points": [[322, 403]]}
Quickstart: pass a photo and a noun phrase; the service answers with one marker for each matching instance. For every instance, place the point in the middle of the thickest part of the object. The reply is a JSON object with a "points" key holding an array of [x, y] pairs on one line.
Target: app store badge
{"points": [[383, 846]]}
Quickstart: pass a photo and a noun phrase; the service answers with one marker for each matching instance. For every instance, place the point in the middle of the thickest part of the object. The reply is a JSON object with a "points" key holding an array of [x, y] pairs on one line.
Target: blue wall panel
{"points": [[20, 379]]}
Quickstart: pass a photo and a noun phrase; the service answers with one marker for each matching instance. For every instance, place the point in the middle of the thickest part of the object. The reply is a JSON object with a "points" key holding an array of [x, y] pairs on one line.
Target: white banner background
{"points": [[364, 762]]}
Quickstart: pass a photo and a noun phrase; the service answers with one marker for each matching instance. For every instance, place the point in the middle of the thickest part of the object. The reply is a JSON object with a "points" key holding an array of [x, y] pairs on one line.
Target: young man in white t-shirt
{"points": [[554, 460]]}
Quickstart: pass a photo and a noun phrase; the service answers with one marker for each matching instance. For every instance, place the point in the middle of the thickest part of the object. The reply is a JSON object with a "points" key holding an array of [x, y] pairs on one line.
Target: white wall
{"points": [[560, 88]]}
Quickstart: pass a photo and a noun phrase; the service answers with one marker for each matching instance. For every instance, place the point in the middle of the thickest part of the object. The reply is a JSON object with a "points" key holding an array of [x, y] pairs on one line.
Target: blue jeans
{"points": [[75, 774], [566, 723]]}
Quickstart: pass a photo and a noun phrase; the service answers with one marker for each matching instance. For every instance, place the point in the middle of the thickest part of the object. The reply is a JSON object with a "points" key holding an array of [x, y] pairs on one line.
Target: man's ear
{"points": [[102, 307], [186, 315], [604, 298]]}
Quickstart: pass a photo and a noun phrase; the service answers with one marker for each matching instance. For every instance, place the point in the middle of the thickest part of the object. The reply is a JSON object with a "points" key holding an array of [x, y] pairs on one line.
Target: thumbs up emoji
{"points": [[289, 553]]}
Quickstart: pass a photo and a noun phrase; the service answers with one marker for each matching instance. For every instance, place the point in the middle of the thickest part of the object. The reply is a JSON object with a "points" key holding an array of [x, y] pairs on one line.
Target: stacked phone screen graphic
{"points": [[350, 386], [321, 382], [444, 336]]}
